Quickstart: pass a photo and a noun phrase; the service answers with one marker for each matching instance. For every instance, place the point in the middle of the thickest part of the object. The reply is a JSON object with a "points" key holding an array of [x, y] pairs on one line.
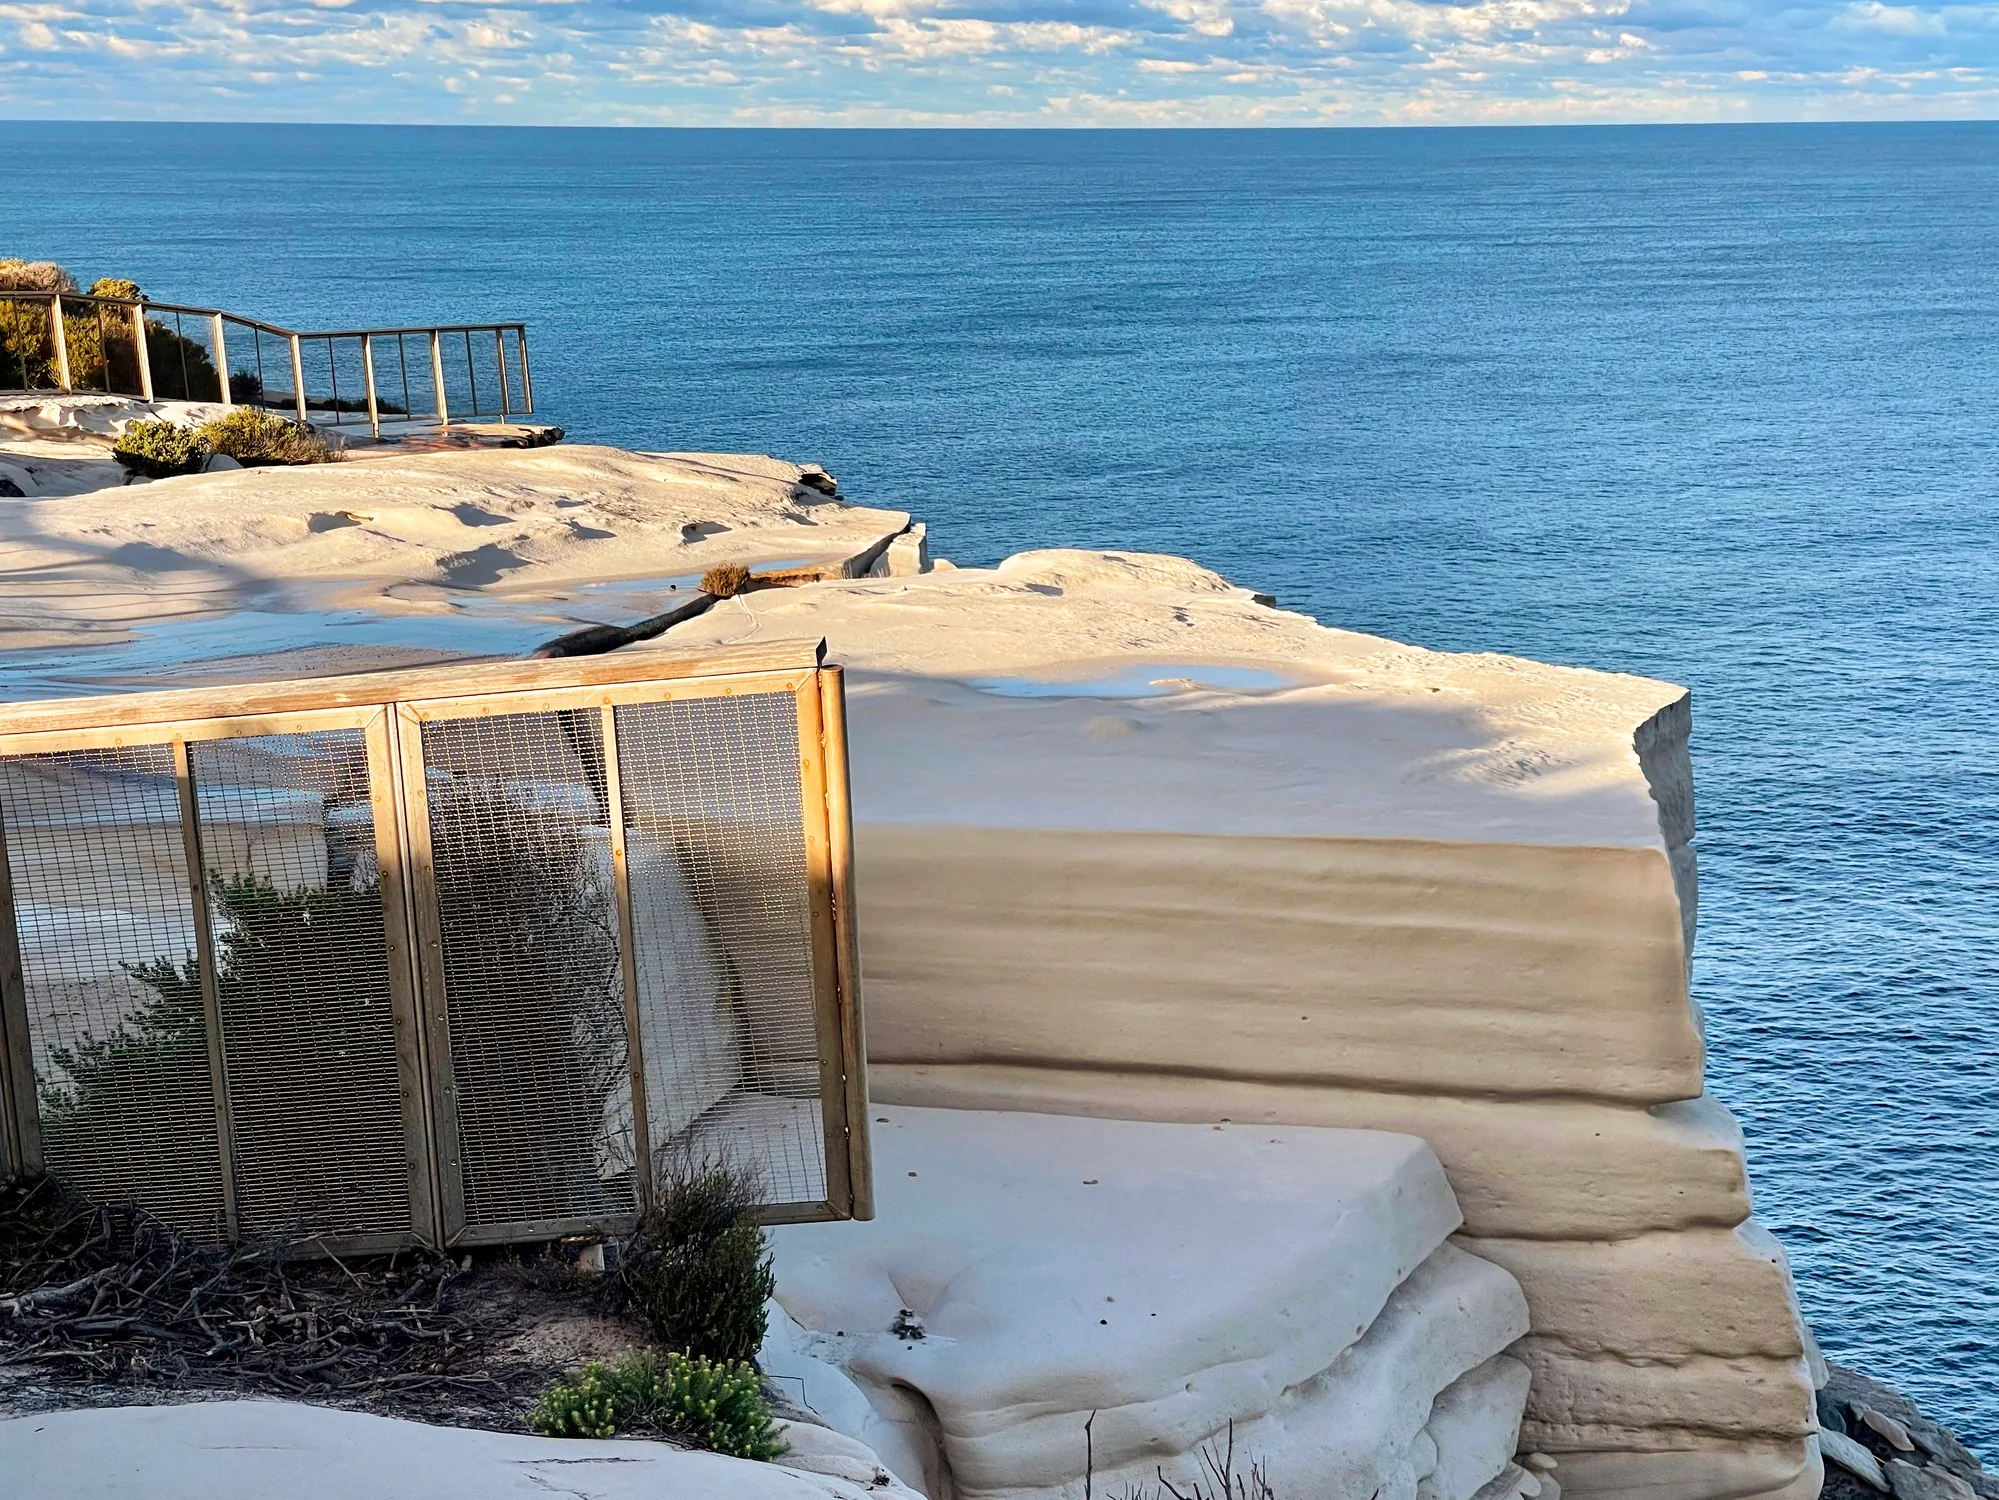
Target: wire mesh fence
{"points": [[440, 955]]}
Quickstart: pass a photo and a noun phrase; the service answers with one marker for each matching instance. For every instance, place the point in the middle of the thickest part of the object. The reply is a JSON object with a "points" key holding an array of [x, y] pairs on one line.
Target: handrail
{"points": [[146, 326]]}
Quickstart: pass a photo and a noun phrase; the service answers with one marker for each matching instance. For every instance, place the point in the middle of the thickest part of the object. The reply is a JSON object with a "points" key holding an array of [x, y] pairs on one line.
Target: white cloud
{"points": [[1002, 61]]}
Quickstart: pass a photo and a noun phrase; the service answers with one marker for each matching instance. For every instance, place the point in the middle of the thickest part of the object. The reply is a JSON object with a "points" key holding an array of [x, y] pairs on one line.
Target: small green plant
{"points": [[159, 450], [714, 1404], [697, 1269], [726, 581], [255, 438]]}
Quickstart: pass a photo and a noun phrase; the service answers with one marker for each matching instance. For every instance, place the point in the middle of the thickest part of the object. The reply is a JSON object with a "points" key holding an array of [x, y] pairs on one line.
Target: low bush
{"points": [[17, 275], [717, 1405], [255, 438], [726, 581], [160, 450], [697, 1270]]}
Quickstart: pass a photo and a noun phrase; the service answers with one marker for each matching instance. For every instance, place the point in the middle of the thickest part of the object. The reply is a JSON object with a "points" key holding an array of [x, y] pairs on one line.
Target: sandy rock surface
{"points": [[254, 1450], [408, 535], [1132, 844], [1247, 719], [1026, 1270]]}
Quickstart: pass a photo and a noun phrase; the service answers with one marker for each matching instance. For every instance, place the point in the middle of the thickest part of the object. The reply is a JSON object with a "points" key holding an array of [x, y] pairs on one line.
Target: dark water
{"points": [[1716, 405]]}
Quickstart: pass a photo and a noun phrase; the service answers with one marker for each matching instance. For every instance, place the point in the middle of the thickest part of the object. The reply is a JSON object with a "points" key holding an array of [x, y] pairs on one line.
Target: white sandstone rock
{"points": [[1723, 1292], [1296, 874], [413, 534], [1171, 1279], [1601, 1170], [253, 1450]]}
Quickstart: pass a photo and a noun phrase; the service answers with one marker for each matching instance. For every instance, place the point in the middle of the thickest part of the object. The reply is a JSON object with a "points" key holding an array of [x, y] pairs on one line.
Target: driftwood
{"points": [[112, 1294]]}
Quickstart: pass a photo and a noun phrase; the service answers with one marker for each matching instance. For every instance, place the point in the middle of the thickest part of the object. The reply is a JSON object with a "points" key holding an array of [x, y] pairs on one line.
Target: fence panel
{"points": [[719, 874], [180, 356], [529, 972], [462, 950], [307, 998], [111, 998], [27, 347]]}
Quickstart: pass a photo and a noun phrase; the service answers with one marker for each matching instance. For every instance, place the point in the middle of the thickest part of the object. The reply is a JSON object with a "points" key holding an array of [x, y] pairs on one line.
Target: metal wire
{"points": [[533, 983], [532, 972], [117, 1038], [308, 1033], [721, 912]]}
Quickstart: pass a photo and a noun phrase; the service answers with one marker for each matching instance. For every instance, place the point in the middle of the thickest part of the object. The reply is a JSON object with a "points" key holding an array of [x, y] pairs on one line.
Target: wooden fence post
{"points": [[61, 337], [144, 354], [298, 378], [222, 363]]}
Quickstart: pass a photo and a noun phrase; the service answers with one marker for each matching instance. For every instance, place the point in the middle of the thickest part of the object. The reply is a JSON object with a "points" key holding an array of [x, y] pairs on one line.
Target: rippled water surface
{"points": [[1712, 404]]}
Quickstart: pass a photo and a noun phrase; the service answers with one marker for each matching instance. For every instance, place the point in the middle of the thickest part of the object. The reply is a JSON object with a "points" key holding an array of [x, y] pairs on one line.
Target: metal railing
{"points": [[57, 341]]}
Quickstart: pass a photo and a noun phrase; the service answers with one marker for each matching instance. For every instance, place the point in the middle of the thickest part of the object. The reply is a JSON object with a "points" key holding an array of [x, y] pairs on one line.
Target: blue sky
{"points": [[999, 62]]}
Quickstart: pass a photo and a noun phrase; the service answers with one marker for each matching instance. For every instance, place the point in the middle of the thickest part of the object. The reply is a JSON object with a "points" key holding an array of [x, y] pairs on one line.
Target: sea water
{"points": [[1716, 405]]}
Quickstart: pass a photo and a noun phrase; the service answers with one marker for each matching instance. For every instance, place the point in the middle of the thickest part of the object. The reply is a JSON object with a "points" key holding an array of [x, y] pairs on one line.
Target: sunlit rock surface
{"points": [[255, 1450], [1134, 844], [1292, 1287]]}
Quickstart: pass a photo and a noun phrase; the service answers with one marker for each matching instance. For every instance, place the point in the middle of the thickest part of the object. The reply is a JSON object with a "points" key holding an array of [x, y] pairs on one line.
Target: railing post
{"points": [[145, 356], [368, 378], [500, 363], [61, 339], [437, 377], [298, 378], [222, 362], [527, 383]]}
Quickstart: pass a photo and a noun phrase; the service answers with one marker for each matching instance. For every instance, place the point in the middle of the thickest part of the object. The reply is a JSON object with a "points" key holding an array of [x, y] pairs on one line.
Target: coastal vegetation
{"points": [[697, 1271], [103, 353], [714, 1404], [726, 580], [696, 1274], [159, 449]]}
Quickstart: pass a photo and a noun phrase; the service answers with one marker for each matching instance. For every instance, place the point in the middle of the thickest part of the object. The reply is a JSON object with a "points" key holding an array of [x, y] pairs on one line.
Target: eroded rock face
{"points": [[1133, 845], [1028, 1274]]}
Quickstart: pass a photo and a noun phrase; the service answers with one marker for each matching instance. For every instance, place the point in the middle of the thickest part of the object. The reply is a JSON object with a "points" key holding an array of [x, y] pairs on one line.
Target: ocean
{"points": [[1714, 404]]}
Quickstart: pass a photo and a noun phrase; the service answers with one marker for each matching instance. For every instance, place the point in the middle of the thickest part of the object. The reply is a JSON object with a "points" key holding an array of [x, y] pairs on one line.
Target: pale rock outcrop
{"points": [[417, 534], [252, 1450], [1132, 844], [1026, 1271]]}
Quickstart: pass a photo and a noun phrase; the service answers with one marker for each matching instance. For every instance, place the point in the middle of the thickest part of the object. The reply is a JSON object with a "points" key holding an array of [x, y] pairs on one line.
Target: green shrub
{"points": [[715, 1405], [256, 438], [27, 353], [17, 275], [324, 944], [696, 1270], [726, 581], [160, 450]]}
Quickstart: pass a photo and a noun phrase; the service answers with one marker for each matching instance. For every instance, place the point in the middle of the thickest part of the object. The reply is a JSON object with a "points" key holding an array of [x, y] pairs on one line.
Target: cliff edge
{"points": [[1134, 844]]}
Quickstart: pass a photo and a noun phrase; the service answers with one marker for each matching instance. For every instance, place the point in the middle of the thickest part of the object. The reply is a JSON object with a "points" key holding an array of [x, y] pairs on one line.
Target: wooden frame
{"points": [[178, 736], [20, 1125], [390, 709]]}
